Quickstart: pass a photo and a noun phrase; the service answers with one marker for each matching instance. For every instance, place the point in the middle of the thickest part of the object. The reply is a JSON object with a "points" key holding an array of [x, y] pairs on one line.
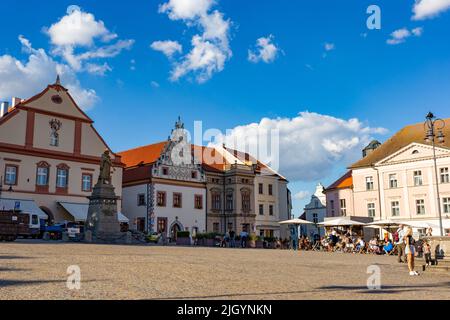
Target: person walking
{"points": [[232, 239], [410, 250], [399, 242], [427, 253]]}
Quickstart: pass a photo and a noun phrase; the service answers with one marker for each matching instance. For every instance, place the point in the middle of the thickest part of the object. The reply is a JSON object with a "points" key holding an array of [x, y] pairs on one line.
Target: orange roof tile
{"points": [[142, 155], [344, 182]]}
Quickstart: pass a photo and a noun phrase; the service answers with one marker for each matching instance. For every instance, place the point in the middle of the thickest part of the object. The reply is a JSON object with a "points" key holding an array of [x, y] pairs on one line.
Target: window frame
{"points": [[445, 175], [178, 195], [393, 181], [446, 205], [418, 178], [370, 184], [371, 209], [261, 209], [163, 196], [62, 168], [395, 209], [91, 177], [139, 198], [16, 174], [198, 202], [260, 188], [420, 204], [270, 189]]}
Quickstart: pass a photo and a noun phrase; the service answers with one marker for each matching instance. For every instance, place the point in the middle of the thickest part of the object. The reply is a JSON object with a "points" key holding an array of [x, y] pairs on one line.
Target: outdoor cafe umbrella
{"points": [[340, 222], [296, 222], [386, 223]]}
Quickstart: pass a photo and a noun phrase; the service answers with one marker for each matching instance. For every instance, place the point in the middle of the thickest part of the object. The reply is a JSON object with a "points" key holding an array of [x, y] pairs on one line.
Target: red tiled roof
{"points": [[142, 155], [344, 182]]}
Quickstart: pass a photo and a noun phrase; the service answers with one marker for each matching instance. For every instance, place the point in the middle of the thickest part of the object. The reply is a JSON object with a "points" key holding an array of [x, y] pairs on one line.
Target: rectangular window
{"points": [[216, 201], [61, 178], [165, 171], [393, 182], [161, 199], [245, 201], [198, 201], [418, 179], [371, 210], [445, 177], [343, 207], [229, 201], [162, 225], [177, 198], [271, 210], [369, 183], [315, 218], [261, 209], [216, 227], [194, 174], [86, 182], [141, 200], [395, 208], [11, 175], [270, 190], [420, 206], [42, 176], [261, 188], [446, 202]]}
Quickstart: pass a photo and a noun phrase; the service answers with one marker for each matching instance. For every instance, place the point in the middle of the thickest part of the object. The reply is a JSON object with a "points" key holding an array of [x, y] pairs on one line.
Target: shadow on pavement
{"points": [[387, 289]]}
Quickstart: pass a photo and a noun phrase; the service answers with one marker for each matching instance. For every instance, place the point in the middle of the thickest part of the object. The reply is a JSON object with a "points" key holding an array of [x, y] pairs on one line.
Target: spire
{"points": [[58, 80], [179, 124]]}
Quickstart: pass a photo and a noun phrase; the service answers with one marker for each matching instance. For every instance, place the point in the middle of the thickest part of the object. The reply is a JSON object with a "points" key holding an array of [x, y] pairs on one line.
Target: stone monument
{"points": [[102, 225]]}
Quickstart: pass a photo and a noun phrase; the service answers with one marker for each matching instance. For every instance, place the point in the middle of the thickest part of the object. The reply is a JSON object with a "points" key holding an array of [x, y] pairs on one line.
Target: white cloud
{"points": [[80, 29], [329, 46], [302, 195], [425, 9], [186, 9], [27, 78], [210, 48], [400, 35], [155, 84], [310, 144], [168, 47], [265, 50]]}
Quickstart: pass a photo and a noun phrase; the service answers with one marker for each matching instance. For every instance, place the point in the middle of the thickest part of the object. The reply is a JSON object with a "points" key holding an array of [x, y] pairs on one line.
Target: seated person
{"points": [[360, 245], [388, 247], [373, 246]]}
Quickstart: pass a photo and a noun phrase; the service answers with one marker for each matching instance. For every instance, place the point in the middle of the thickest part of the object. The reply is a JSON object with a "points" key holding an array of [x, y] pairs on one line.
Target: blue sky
{"points": [[362, 76]]}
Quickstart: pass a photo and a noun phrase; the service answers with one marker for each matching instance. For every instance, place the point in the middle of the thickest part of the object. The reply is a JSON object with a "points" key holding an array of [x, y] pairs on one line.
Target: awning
{"points": [[26, 206], [340, 222], [296, 222], [79, 211]]}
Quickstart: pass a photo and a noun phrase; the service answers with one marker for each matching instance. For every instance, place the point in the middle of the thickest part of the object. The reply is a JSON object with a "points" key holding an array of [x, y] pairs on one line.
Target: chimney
{"points": [[4, 108], [15, 101]]}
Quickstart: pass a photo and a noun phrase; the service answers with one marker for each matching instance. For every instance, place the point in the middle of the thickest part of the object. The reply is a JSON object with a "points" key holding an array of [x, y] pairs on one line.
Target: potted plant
{"points": [[252, 241], [183, 238], [259, 242]]}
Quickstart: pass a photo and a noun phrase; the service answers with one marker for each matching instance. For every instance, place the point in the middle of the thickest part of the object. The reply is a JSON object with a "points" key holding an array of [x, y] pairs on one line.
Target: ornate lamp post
{"points": [[434, 132]]}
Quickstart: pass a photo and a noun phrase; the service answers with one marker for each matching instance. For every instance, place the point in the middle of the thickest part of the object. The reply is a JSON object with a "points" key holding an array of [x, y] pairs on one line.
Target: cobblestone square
{"points": [[37, 270]]}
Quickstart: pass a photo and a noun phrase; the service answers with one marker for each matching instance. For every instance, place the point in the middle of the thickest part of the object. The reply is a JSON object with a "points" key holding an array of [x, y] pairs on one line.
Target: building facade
{"points": [[164, 189], [397, 181], [315, 211], [224, 181], [50, 156]]}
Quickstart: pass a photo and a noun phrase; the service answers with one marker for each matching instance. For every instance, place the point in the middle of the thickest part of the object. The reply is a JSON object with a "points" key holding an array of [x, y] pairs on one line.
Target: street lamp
{"points": [[434, 132]]}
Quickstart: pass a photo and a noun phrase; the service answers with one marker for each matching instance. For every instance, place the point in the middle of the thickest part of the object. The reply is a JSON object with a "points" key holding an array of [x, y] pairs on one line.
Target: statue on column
{"points": [[105, 168]]}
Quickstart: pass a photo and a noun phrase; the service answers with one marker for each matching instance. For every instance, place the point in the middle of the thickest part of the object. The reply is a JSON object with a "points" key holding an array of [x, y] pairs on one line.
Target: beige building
{"points": [[50, 156], [396, 180]]}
